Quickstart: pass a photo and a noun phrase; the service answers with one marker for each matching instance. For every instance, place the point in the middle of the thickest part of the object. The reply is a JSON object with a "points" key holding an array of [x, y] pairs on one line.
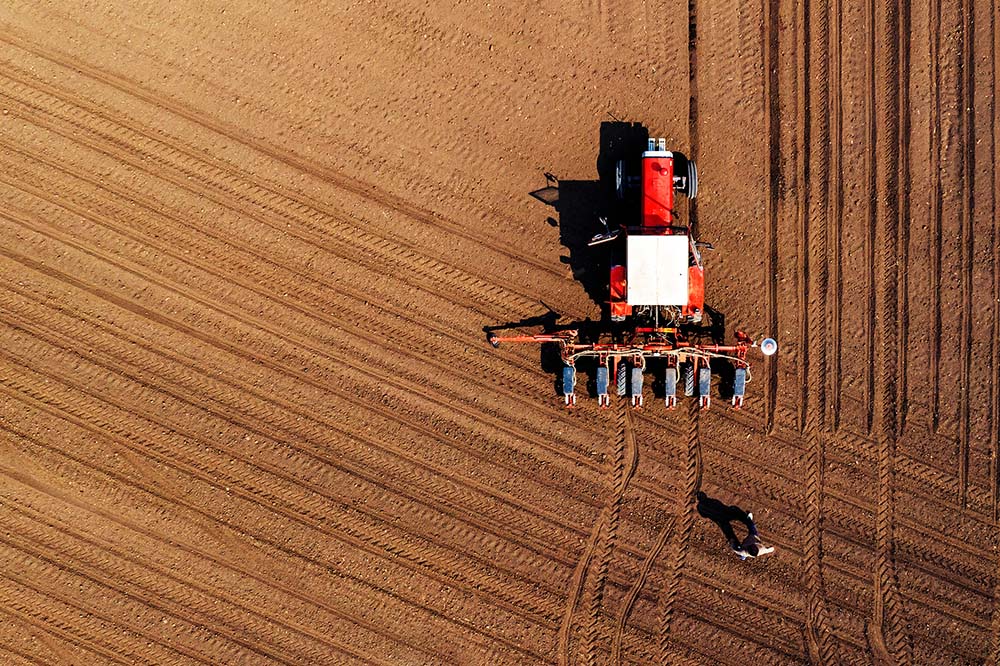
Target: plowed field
{"points": [[248, 252]]}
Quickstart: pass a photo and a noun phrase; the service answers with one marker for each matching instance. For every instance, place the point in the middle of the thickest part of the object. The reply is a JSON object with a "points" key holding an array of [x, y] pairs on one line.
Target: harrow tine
{"points": [[739, 387], [670, 386], [568, 384], [636, 387], [704, 386], [602, 385]]}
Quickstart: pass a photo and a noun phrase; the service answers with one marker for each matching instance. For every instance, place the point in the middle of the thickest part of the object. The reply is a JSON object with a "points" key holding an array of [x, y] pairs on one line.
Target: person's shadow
{"points": [[723, 515]]}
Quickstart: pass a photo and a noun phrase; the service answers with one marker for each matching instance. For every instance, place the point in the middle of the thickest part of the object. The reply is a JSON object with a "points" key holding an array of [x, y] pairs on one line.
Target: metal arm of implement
{"points": [[685, 363]]}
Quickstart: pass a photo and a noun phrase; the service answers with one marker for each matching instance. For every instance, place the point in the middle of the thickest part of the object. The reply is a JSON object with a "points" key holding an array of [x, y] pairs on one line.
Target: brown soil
{"points": [[248, 415]]}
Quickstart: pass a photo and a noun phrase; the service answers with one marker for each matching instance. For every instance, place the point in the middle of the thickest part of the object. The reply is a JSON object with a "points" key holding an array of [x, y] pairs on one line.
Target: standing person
{"points": [[723, 515]]}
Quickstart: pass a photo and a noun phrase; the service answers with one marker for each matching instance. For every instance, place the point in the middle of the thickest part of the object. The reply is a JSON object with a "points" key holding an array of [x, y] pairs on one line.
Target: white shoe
{"points": [[764, 550], [750, 516]]}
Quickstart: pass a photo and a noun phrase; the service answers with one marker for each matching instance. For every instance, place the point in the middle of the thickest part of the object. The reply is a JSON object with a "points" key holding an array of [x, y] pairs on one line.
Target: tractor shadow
{"points": [[581, 204]]}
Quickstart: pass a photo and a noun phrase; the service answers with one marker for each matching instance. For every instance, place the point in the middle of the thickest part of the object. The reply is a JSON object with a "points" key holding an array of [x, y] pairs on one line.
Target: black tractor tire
{"points": [[691, 188], [621, 379], [687, 371]]}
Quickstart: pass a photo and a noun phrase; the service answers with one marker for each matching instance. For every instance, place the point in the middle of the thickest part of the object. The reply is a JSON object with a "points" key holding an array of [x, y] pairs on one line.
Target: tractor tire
{"points": [[621, 379], [687, 371], [691, 190]]}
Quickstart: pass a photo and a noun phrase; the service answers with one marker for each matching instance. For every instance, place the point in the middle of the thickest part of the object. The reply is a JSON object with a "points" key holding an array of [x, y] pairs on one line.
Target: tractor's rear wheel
{"points": [[686, 169], [691, 188]]}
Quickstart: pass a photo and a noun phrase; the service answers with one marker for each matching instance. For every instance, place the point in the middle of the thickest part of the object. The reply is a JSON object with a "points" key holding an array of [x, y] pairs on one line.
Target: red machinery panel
{"points": [[657, 191]]}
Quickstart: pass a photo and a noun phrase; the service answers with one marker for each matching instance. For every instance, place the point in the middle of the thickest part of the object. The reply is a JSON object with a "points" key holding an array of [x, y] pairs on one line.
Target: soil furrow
{"points": [[358, 463], [835, 223], [966, 120], [934, 182], [131, 89], [137, 586], [316, 566], [254, 325], [423, 348], [87, 557], [32, 613], [805, 235], [326, 230], [44, 585], [371, 529], [349, 534]]}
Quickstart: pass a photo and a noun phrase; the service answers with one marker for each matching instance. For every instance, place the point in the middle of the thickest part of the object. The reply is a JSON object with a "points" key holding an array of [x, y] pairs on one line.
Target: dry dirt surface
{"points": [[248, 252]]}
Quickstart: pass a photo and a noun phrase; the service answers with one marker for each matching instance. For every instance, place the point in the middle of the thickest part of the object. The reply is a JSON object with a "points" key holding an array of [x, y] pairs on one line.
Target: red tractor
{"points": [[657, 298]]}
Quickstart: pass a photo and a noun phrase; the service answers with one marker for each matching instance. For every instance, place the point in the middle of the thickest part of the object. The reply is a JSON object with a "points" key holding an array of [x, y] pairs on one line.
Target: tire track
{"points": [[966, 125], [888, 628], [769, 39], [814, 296], [625, 460], [819, 630], [682, 537], [635, 591], [835, 207], [933, 172], [576, 591], [802, 153]]}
